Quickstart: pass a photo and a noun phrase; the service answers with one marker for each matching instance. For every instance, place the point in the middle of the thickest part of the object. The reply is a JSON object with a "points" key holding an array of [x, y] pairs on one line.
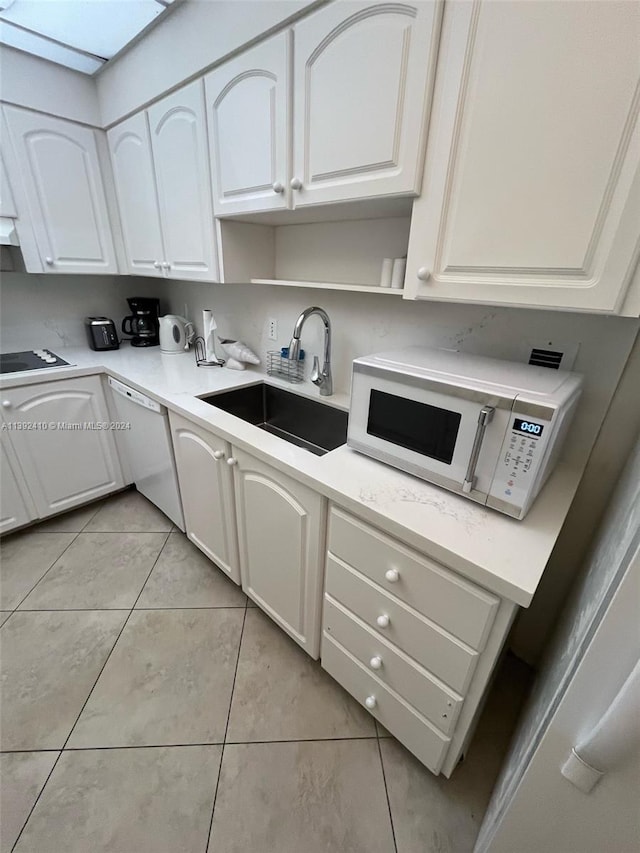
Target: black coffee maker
{"points": [[143, 323]]}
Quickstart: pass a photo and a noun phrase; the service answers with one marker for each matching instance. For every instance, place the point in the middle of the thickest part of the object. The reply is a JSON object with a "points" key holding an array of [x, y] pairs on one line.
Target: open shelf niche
{"points": [[345, 255]]}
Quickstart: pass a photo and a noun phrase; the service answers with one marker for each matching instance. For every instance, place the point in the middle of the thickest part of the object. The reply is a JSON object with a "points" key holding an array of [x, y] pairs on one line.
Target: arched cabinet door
{"points": [[60, 171], [363, 80], [281, 527], [248, 115], [179, 145], [16, 506], [532, 176], [66, 456], [130, 149], [206, 487]]}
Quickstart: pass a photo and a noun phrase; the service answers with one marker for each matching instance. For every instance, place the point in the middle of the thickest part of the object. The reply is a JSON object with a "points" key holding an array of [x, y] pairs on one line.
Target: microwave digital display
{"points": [[528, 427], [425, 429]]}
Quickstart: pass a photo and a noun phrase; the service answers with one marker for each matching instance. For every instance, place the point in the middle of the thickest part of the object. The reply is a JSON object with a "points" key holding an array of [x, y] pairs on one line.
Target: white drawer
{"points": [[427, 695], [460, 607], [413, 730], [443, 655]]}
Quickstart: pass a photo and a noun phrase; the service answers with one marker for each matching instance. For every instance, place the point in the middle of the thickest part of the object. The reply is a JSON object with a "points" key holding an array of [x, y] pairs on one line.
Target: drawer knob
{"points": [[383, 621], [375, 662], [392, 575], [231, 461], [218, 454], [370, 702]]}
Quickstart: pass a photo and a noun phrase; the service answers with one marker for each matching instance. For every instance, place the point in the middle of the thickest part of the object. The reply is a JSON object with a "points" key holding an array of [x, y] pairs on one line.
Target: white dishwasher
{"points": [[146, 446]]}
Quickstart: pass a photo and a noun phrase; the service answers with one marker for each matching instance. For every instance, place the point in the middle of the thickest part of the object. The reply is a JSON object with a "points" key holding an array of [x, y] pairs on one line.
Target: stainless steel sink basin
{"points": [[314, 426]]}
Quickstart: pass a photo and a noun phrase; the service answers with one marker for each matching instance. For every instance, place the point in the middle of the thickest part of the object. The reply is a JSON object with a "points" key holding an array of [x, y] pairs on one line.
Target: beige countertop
{"points": [[502, 554]]}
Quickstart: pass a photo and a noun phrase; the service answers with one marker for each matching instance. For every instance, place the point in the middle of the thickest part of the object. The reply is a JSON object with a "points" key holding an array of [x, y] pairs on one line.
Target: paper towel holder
{"points": [[199, 349]]}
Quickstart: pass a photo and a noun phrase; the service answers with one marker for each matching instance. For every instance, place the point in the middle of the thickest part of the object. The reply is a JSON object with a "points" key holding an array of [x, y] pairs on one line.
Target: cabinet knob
{"points": [[218, 454], [166, 265], [232, 461], [6, 404], [423, 274], [375, 662], [383, 621], [370, 702], [48, 262], [296, 184], [157, 264], [392, 575], [278, 187]]}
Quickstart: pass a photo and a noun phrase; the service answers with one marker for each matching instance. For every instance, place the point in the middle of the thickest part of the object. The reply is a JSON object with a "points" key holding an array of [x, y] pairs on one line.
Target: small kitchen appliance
{"points": [[14, 362], [101, 333], [487, 429], [143, 322], [176, 333]]}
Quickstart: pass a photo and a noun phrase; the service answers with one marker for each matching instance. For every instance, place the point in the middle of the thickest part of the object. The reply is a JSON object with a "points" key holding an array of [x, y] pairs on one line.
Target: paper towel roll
{"points": [[209, 326]]}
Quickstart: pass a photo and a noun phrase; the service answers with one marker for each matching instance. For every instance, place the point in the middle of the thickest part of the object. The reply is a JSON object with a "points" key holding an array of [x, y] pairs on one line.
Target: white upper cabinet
{"points": [[60, 171], [179, 146], [532, 181], [363, 77], [130, 149], [248, 115]]}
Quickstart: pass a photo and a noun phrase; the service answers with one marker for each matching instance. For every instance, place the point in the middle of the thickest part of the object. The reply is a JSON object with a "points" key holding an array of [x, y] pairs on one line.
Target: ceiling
{"points": [[81, 34]]}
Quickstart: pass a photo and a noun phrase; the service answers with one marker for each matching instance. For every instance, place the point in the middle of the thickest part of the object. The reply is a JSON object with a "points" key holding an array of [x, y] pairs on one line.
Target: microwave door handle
{"points": [[484, 419]]}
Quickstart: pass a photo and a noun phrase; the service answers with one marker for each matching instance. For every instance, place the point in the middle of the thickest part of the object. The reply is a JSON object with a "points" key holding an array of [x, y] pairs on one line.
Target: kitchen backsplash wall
{"points": [[366, 323], [49, 310]]}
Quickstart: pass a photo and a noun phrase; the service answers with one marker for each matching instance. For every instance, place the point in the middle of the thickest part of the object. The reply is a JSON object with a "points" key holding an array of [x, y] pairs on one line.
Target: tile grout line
{"points": [[202, 743], [24, 597], [55, 763], [226, 728], [386, 789]]}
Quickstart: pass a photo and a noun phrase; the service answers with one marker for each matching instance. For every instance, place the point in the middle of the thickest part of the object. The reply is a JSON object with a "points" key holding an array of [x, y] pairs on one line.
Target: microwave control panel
{"points": [[522, 449]]}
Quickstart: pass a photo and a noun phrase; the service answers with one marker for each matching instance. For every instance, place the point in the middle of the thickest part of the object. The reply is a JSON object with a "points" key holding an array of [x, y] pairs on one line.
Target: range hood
{"points": [[8, 234]]}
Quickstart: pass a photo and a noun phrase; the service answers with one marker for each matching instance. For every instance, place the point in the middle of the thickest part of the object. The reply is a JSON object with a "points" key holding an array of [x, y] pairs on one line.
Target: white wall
{"points": [[29, 81], [197, 34]]}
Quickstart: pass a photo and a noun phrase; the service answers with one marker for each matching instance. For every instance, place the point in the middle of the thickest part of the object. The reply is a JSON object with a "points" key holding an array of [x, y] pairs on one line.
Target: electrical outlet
{"points": [[272, 324]]}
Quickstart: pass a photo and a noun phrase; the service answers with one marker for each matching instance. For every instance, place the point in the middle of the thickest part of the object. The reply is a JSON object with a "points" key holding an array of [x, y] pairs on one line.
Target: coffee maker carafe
{"points": [[143, 323]]}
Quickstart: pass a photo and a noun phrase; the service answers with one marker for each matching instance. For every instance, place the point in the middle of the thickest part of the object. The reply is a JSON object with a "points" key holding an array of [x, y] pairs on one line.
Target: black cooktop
{"points": [[12, 362]]}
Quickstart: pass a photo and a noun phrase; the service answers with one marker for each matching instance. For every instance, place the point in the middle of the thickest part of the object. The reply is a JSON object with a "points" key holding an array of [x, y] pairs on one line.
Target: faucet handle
{"points": [[316, 377]]}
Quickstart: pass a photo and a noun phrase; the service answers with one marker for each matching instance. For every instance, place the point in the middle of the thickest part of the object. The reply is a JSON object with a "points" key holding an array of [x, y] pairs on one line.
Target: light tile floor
{"points": [[147, 707]]}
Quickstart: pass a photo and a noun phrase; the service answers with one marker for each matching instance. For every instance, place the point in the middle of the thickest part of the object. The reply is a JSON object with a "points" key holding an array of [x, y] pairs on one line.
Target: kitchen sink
{"points": [[306, 423]]}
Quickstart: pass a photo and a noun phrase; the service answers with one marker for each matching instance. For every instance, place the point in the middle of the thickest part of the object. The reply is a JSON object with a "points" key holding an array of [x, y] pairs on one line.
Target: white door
{"points": [[606, 818], [281, 527], [179, 145], [16, 506], [531, 191], [249, 128], [363, 77], [130, 149], [60, 170], [66, 454], [206, 486]]}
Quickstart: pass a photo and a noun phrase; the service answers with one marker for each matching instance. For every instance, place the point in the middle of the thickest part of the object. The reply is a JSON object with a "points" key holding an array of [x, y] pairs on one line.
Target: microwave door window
{"points": [[428, 430]]}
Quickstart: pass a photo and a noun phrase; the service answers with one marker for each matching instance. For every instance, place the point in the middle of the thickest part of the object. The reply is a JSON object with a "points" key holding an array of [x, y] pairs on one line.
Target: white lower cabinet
{"points": [[16, 506], [412, 641], [281, 537], [206, 486], [57, 430]]}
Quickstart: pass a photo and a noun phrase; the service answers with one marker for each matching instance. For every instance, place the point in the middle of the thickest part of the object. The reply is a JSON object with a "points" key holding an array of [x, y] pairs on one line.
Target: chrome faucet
{"points": [[323, 380]]}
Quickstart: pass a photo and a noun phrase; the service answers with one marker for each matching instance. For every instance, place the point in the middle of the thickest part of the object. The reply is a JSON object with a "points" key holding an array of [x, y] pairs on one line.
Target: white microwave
{"points": [[485, 428]]}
